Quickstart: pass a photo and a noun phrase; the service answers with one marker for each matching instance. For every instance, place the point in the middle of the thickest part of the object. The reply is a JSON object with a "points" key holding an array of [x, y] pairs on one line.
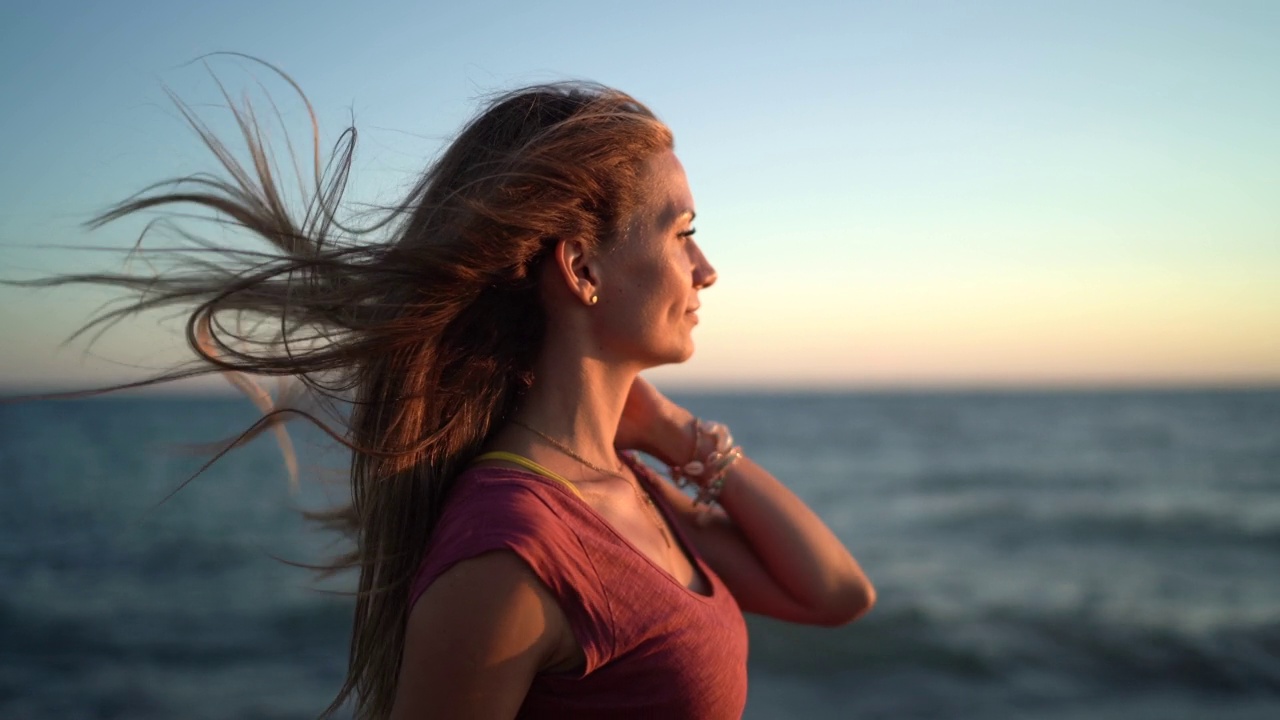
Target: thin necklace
{"points": [[643, 497]]}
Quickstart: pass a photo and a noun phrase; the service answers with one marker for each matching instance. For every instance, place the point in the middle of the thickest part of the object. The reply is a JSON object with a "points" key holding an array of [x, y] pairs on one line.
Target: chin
{"points": [[671, 356], [683, 354]]}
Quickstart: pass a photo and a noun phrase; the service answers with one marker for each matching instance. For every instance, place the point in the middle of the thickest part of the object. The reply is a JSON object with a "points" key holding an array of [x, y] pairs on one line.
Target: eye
{"points": [[687, 233]]}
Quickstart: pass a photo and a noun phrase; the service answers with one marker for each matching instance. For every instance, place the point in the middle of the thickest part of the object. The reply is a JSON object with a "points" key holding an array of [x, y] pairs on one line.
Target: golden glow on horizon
{"points": [[1024, 328], [868, 326]]}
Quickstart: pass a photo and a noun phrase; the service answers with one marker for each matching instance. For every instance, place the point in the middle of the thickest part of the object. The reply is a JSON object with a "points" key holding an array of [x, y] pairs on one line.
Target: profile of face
{"points": [[649, 279]]}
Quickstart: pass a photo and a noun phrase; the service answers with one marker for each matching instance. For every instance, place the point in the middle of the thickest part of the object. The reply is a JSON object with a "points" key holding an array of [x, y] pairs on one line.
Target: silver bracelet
{"points": [[708, 474]]}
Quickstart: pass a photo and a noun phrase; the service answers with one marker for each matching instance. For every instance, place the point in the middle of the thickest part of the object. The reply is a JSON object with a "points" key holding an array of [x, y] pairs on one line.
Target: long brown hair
{"points": [[426, 322]]}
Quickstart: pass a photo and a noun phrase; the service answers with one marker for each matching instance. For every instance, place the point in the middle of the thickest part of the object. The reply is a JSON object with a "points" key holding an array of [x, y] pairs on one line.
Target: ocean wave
{"points": [[195, 637], [1003, 644], [1009, 521], [1200, 527]]}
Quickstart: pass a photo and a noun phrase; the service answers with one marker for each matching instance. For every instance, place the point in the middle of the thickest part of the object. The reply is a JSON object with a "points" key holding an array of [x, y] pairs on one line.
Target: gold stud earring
{"points": [[594, 299]]}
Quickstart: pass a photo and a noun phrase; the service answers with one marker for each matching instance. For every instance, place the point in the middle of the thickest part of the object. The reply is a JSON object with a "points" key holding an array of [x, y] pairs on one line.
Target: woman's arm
{"points": [[475, 640], [775, 555]]}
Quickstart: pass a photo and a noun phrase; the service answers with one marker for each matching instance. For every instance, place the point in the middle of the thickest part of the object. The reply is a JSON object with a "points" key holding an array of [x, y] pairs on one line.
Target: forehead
{"points": [[670, 199]]}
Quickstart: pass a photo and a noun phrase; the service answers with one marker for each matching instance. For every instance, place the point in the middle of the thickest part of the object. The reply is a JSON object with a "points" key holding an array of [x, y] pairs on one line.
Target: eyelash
{"points": [[687, 233]]}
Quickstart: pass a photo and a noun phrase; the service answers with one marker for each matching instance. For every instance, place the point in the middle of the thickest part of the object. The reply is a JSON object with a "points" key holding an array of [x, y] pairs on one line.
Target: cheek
{"points": [[655, 292]]}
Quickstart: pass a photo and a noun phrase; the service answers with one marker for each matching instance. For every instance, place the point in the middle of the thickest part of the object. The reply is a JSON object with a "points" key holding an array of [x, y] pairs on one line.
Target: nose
{"points": [[704, 275]]}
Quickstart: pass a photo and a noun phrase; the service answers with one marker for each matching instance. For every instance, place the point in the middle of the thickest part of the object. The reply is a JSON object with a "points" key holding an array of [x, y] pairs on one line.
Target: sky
{"points": [[894, 194]]}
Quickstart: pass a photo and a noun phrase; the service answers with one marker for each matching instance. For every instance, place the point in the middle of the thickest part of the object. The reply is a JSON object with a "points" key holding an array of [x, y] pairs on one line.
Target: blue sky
{"points": [[910, 193]]}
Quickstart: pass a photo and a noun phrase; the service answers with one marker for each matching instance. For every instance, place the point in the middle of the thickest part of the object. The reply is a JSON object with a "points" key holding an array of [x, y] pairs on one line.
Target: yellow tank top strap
{"points": [[529, 465]]}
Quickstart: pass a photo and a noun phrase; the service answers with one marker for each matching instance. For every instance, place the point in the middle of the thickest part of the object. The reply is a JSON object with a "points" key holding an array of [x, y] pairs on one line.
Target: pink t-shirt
{"points": [[654, 648]]}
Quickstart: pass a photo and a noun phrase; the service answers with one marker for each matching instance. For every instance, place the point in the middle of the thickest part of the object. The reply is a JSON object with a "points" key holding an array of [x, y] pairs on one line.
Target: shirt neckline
{"points": [[694, 559]]}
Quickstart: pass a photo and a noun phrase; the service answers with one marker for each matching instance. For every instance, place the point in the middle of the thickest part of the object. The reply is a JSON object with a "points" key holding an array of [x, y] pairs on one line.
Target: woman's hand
{"points": [[651, 423]]}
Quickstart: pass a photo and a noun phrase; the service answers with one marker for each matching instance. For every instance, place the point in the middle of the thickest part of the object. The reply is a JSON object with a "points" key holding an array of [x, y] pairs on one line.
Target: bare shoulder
{"points": [[476, 639]]}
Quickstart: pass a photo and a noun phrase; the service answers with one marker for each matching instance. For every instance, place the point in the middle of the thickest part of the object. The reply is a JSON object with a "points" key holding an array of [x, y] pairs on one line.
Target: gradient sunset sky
{"points": [[894, 193]]}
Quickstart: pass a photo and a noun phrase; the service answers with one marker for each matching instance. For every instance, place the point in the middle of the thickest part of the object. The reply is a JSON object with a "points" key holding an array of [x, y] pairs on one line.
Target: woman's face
{"points": [[650, 278]]}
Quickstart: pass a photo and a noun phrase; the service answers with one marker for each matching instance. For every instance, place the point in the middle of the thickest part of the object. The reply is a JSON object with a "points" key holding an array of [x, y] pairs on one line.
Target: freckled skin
{"points": [[650, 279]]}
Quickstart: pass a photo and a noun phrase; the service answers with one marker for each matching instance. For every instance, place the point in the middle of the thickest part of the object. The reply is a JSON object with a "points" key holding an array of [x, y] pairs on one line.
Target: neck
{"points": [[577, 399]]}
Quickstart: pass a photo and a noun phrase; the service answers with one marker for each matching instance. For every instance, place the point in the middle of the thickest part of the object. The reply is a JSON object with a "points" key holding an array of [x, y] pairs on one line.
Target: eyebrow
{"points": [[673, 215]]}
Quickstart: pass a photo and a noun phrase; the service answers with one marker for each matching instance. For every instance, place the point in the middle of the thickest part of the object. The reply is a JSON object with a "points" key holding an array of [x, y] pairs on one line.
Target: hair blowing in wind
{"points": [[414, 333]]}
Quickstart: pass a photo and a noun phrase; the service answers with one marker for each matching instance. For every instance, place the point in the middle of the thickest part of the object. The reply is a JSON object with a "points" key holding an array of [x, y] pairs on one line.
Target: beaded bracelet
{"points": [[709, 473], [710, 492]]}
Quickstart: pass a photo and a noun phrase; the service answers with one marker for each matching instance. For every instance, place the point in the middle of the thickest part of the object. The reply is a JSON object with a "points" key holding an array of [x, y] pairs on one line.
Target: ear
{"points": [[576, 266]]}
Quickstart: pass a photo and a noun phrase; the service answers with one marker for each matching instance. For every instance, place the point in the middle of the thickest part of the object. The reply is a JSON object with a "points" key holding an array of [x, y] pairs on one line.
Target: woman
{"points": [[515, 559]]}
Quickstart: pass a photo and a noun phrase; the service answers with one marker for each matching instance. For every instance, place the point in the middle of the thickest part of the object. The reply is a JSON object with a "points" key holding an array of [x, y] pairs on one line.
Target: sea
{"points": [[1060, 555]]}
